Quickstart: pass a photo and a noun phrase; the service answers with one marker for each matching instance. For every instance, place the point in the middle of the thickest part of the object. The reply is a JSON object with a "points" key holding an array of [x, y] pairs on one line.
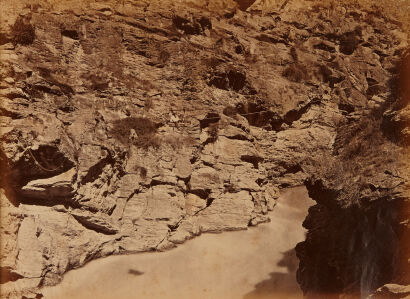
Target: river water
{"points": [[256, 263]]}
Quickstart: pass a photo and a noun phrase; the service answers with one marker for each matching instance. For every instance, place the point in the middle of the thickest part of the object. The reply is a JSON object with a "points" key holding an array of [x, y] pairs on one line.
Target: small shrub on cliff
{"points": [[361, 140], [296, 72], [137, 130], [23, 32], [213, 130], [97, 82], [163, 56], [141, 170], [231, 111], [359, 149]]}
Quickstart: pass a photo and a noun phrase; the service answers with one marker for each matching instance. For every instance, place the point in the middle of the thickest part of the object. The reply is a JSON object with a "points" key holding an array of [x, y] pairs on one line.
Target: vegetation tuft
{"points": [[359, 149], [296, 72], [231, 111], [142, 171], [213, 130], [140, 131], [23, 32]]}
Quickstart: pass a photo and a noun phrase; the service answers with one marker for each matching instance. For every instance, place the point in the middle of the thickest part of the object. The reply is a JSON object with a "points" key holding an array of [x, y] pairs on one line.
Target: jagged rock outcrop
{"points": [[392, 291], [137, 126], [54, 187]]}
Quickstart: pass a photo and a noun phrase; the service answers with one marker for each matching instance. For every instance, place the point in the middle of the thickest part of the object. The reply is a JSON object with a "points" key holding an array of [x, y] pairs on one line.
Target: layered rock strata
{"points": [[136, 126]]}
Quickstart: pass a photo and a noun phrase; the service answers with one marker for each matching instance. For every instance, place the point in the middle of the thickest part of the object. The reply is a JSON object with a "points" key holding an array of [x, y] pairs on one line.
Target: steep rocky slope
{"points": [[134, 126]]}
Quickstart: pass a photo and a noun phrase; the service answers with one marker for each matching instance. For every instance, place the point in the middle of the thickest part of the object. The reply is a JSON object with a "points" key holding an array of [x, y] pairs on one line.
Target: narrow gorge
{"points": [[133, 126]]}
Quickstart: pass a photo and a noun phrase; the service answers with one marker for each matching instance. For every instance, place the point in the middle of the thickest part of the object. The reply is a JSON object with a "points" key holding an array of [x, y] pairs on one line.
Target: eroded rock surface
{"points": [[135, 127]]}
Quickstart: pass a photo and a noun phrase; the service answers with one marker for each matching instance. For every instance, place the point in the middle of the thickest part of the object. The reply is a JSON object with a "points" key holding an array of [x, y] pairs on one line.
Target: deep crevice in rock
{"points": [[73, 34]]}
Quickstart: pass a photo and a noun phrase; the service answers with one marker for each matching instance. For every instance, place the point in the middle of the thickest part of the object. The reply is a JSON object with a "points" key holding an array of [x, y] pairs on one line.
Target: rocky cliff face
{"points": [[135, 126], [359, 228]]}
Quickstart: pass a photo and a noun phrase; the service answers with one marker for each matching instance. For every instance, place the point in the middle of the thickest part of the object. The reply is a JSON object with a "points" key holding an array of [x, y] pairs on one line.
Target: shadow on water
{"points": [[135, 272], [279, 285]]}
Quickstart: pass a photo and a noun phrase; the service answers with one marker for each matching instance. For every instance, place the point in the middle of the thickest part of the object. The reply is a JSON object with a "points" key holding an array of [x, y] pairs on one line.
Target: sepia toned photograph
{"points": [[204, 149]]}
